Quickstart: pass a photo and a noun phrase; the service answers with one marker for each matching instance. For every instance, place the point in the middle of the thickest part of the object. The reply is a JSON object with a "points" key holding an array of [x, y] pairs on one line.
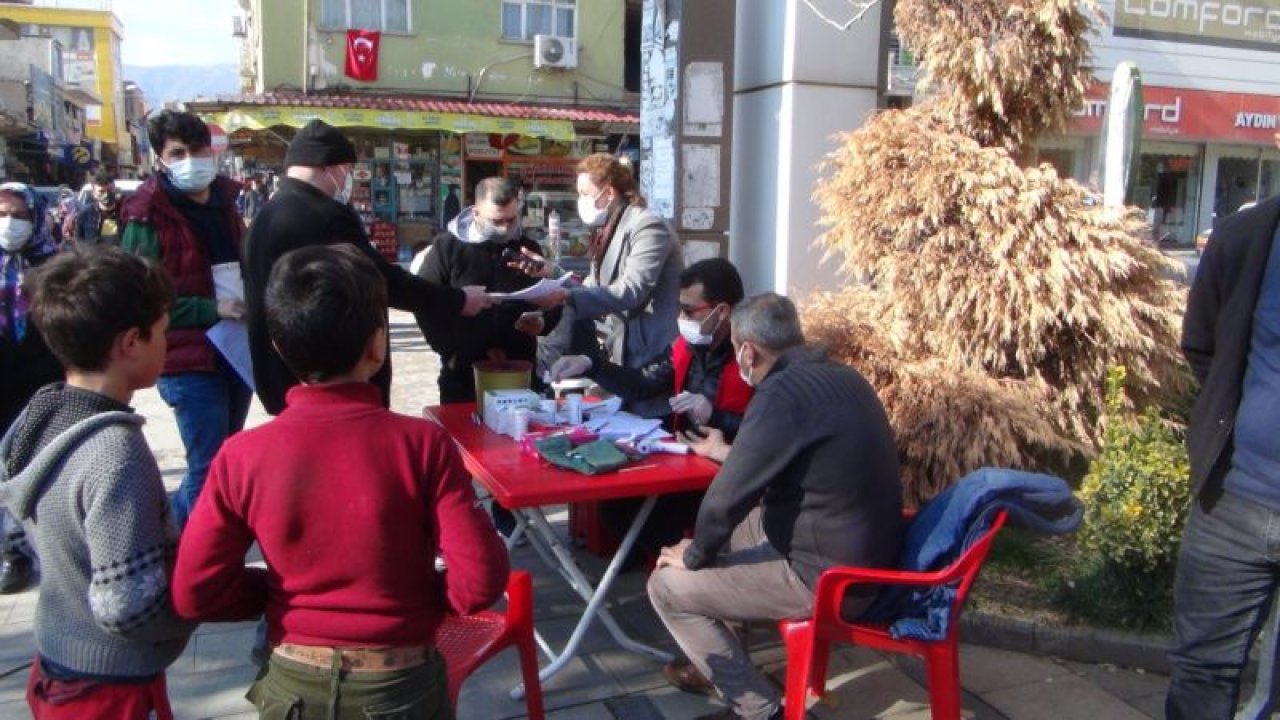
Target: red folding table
{"points": [[525, 484]]}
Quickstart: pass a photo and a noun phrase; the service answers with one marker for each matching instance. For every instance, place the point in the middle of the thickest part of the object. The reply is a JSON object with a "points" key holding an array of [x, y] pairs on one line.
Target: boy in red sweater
{"points": [[350, 503]]}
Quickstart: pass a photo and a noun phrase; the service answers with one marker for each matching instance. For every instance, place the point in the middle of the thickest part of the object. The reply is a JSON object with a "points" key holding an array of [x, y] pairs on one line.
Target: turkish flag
{"points": [[362, 54]]}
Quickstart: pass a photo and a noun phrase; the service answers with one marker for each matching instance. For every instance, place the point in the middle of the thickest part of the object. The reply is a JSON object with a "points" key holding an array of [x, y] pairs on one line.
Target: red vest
{"points": [[732, 395]]}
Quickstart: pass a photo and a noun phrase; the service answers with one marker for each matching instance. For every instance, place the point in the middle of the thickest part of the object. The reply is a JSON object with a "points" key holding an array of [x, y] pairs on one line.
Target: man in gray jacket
{"points": [[76, 469], [811, 482]]}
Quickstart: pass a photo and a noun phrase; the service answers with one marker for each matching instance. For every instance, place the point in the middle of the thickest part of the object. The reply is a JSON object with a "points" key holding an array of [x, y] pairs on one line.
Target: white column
{"points": [[798, 82]]}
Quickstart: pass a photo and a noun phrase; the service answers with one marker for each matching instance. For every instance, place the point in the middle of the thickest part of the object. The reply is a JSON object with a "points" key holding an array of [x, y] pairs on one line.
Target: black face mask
{"points": [[108, 202]]}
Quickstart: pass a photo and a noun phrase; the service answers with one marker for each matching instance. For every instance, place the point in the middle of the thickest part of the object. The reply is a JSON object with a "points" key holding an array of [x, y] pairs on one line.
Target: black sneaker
{"points": [[15, 573]]}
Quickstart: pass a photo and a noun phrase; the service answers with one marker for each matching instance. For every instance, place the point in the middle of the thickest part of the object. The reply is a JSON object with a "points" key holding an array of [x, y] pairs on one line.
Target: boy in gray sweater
{"points": [[77, 471]]}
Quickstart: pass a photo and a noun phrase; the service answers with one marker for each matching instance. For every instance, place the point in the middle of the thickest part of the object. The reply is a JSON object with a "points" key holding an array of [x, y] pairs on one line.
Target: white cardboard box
{"points": [[499, 403]]}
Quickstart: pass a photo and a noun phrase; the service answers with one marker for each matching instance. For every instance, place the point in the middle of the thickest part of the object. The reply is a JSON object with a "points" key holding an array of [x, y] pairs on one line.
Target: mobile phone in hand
{"points": [[514, 255]]}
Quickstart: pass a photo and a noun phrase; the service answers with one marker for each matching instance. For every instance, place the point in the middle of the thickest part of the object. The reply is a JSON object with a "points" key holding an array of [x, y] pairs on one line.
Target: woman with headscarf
{"points": [[26, 364]]}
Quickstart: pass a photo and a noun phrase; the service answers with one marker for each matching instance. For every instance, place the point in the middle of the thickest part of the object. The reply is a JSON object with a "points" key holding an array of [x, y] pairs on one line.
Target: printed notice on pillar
{"points": [[704, 99], [700, 172], [663, 166]]}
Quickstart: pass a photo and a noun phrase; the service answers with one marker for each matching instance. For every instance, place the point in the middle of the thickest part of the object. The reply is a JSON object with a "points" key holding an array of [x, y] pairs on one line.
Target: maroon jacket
{"points": [[161, 232]]}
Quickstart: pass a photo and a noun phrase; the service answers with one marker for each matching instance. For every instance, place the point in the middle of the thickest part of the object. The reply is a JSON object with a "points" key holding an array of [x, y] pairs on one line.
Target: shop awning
{"points": [[407, 112]]}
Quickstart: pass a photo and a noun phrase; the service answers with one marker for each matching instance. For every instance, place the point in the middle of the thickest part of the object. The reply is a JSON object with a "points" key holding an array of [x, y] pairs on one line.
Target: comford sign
{"points": [[1253, 24], [1193, 115]]}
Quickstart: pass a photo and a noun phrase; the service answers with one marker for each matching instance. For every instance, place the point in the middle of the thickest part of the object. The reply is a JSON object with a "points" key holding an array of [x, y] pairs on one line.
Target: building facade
{"points": [[88, 38], [1211, 84], [436, 95]]}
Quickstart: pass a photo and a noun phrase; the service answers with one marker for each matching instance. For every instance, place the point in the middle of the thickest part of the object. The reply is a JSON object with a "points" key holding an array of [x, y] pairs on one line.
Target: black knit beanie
{"points": [[319, 144]]}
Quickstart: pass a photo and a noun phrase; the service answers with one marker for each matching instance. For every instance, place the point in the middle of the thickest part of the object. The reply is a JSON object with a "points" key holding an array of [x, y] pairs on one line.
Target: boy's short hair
{"points": [[323, 304], [82, 301], [181, 126]]}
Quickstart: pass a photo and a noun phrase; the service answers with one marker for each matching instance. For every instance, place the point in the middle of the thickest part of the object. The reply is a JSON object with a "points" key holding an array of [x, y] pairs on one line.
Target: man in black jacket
{"points": [[310, 208], [471, 253], [811, 482], [1229, 563]]}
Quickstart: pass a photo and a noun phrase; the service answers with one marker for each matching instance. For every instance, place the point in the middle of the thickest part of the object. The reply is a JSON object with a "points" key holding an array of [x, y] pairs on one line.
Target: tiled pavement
{"points": [[209, 680]]}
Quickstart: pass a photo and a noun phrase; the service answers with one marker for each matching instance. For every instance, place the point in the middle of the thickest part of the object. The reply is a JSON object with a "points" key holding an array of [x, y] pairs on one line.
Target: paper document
{"points": [[624, 425], [228, 283], [231, 338], [536, 291]]}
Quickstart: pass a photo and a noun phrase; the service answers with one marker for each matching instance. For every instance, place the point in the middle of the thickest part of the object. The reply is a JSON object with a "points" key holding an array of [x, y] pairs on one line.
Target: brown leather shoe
{"points": [[686, 676]]}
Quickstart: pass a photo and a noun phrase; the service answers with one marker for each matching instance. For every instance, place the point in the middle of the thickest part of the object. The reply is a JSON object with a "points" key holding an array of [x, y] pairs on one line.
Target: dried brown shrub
{"points": [[1007, 70], [993, 297]]}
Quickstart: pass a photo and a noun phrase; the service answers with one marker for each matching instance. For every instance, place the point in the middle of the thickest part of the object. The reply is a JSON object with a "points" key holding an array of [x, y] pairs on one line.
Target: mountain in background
{"points": [[180, 83]]}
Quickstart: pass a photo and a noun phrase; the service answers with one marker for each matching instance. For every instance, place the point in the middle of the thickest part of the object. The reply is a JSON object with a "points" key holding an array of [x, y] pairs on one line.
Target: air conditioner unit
{"points": [[551, 51]]}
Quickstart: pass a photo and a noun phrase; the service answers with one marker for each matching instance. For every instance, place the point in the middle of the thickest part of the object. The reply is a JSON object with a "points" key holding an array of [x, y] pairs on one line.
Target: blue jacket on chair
{"points": [[951, 522]]}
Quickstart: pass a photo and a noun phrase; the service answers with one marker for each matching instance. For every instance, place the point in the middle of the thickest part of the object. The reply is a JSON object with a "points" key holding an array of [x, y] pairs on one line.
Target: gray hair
{"points": [[768, 320]]}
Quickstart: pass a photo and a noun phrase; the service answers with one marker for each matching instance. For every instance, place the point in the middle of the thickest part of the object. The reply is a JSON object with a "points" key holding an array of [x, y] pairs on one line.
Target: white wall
{"points": [[798, 81], [1187, 65]]}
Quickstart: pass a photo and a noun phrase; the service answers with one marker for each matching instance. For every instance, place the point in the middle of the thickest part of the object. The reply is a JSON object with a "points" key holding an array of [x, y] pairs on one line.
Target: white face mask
{"points": [[14, 233], [192, 174], [343, 192], [744, 372], [587, 210], [691, 331]]}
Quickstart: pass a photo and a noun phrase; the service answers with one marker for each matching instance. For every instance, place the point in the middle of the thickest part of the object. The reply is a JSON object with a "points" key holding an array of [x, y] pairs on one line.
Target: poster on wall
{"points": [[658, 93]]}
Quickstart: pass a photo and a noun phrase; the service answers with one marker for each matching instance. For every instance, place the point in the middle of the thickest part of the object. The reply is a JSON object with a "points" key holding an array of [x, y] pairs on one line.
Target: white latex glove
{"points": [[695, 405], [570, 366]]}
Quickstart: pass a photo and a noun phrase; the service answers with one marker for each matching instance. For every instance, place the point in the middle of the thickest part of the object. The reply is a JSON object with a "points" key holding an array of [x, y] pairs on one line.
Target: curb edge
{"points": [[1081, 644]]}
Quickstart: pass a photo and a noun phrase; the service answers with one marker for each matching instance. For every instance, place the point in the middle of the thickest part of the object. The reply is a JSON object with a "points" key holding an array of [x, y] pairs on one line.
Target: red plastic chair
{"points": [[809, 641], [468, 641]]}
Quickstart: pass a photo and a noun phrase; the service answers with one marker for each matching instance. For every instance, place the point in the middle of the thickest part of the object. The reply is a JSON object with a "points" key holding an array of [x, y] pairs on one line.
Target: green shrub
{"points": [[1099, 592], [1137, 493]]}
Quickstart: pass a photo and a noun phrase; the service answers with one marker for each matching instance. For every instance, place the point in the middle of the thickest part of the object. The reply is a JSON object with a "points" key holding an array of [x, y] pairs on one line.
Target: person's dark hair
{"points": [[768, 320], [181, 126], [103, 176], [720, 281], [82, 301], [323, 304], [605, 170], [499, 191]]}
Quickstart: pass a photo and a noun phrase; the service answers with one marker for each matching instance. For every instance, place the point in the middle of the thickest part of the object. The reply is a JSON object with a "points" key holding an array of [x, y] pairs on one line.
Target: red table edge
{"points": [[685, 473]]}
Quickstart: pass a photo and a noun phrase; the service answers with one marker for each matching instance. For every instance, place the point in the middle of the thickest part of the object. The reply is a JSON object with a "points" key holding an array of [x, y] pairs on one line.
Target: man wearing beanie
{"points": [[310, 208], [184, 217]]}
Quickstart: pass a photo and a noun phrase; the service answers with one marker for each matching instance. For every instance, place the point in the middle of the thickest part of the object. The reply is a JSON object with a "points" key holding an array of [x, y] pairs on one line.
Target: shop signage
{"points": [[1198, 115], [262, 117], [1252, 24], [479, 147]]}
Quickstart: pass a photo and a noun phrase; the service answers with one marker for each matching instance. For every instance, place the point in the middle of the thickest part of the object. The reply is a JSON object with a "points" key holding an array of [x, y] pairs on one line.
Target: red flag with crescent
{"points": [[362, 54]]}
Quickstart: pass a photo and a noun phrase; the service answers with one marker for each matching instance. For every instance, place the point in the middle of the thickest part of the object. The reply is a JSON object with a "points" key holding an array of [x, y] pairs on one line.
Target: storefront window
{"points": [[1168, 187], [1245, 175]]}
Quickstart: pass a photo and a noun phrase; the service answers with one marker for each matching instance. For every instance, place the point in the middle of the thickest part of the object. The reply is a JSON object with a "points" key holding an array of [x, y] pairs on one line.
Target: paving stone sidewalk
{"points": [[606, 683]]}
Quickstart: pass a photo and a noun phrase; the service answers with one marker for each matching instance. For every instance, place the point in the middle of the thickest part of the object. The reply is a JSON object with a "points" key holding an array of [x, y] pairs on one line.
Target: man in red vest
{"points": [[700, 376]]}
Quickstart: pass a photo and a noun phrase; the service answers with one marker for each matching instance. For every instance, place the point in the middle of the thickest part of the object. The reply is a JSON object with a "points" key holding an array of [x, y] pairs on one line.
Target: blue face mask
{"points": [[191, 174]]}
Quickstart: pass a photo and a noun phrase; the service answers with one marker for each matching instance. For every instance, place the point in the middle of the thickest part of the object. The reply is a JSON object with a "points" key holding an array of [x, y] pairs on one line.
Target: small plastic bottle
{"points": [[553, 234]]}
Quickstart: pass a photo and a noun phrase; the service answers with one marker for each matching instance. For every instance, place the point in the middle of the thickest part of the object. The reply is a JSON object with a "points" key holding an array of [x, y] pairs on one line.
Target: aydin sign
{"points": [[1253, 24]]}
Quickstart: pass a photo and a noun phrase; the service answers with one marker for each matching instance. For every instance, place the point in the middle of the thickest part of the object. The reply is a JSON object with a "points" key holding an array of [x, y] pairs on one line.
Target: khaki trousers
{"points": [[749, 582]]}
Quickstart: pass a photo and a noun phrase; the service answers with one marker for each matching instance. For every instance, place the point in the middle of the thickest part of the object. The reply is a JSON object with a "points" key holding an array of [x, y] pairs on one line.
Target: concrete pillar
{"points": [[798, 81]]}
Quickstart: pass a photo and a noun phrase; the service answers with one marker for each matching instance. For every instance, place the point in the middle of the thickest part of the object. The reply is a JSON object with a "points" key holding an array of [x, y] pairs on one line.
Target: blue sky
{"points": [[178, 32]]}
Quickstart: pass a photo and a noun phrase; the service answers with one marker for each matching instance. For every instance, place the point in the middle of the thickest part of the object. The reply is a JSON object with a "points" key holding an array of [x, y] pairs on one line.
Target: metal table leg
{"points": [[595, 597]]}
